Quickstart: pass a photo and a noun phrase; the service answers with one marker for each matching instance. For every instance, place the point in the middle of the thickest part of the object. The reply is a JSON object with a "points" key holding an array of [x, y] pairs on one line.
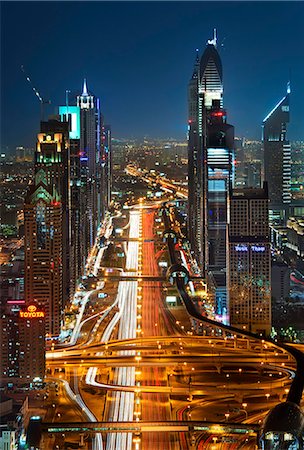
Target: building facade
{"points": [[220, 143], [22, 331], [249, 268], [277, 160], [47, 227], [205, 86], [91, 123], [210, 171]]}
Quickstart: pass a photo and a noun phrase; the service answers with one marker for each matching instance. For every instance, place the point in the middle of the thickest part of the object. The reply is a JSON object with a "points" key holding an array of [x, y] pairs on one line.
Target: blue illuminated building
{"points": [[210, 170], [205, 86], [220, 158], [277, 159]]}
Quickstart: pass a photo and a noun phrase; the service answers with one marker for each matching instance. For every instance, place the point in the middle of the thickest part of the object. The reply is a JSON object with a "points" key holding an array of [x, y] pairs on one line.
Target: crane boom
{"points": [[36, 92]]}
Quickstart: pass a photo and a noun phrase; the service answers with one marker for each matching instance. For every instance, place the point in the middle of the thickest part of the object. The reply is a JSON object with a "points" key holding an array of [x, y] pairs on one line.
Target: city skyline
{"points": [[152, 290], [121, 67]]}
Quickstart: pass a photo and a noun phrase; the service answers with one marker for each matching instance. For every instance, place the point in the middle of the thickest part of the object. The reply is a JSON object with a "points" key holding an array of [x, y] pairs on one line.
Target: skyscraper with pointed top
{"points": [[91, 122], [277, 159], [210, 168], [206, 85]]}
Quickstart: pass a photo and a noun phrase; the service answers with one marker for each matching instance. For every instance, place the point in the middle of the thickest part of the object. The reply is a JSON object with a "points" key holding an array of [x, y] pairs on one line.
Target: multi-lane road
{"points": [[138, 363]]}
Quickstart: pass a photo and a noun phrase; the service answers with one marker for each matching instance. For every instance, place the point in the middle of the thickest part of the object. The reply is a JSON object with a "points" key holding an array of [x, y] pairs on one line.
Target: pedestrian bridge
{"points": [[142, 427]]}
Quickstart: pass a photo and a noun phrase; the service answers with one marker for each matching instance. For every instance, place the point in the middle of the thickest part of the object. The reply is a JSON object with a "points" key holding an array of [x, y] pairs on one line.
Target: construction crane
{"points": [[36, 92]]}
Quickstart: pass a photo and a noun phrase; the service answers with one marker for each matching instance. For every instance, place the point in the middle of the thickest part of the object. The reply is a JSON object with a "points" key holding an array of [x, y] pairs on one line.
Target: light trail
{"points": [[76, 397], [122, 403], [77, 328]]}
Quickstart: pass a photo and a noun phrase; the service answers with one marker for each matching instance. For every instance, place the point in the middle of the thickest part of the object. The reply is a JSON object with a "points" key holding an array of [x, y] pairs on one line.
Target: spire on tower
{"points": [[214, 40], [84, 89], [288, 87]]}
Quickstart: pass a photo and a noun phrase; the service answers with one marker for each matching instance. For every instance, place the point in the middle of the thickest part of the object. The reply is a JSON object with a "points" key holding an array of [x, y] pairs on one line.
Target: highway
{"points": [[143, 362]]}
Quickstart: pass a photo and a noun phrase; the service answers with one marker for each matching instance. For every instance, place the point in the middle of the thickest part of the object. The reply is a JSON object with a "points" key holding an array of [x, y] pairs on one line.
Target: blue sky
{"points": [[138, 57]]}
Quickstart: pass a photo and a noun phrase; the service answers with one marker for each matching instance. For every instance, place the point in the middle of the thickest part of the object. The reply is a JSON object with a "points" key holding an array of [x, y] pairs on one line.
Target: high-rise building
{"points": [[107, 166], [77, 248], [47, 225], [205, 86], [280, 280], [210, 170], [249, 268], [277, 159], [22, 330], [220, 143], [91, 122]]}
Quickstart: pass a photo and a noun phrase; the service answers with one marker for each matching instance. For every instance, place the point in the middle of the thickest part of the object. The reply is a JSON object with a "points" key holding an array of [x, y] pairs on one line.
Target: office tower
{"points": [[106, 166], [77, 248], [47, 225], [249, 268], [277, 159], [22, 331], [90, 158], [220, 144], [204, 87], [280, 280]]}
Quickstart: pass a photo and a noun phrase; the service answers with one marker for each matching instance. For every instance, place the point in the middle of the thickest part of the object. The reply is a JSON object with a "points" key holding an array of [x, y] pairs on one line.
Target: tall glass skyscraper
{"points": [[210, 170], [205, 86], [277, 159], [220, 155], [90, 158]]}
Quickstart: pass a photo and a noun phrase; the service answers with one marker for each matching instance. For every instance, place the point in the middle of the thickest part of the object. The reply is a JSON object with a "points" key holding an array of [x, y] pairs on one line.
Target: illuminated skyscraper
{"points": [[249, 268], [91, 159], [220, 142], [77, 242], [106, 165], [277, 159], [47, 225], [90, 173], [205, 86]]}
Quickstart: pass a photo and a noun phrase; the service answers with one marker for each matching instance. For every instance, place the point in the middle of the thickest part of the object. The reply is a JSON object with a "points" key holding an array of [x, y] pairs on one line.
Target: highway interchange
{"points": [[129, 358]]}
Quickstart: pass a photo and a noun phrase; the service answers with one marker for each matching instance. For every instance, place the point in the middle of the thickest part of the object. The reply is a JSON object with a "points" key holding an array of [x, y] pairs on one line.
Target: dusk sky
{"points": [[138, 58]]}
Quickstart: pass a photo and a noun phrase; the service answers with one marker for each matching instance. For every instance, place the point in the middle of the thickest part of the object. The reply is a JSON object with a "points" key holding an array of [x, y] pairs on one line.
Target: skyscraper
{"points": [[77, 248], [249, 269], [220, 142], [277, 159], [47, 225], [91, 160], [90, 174], [205, 86], [107, 165]]}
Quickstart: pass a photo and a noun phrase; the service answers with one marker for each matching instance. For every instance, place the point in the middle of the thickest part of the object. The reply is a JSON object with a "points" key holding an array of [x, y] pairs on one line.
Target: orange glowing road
{"points": [[154, 323]]}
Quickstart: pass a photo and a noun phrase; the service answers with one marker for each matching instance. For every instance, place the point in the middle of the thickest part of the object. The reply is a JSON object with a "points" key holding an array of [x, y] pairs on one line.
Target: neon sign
{"points": [[258, 248], [31, 313], [254, 248], [241, 248]]}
